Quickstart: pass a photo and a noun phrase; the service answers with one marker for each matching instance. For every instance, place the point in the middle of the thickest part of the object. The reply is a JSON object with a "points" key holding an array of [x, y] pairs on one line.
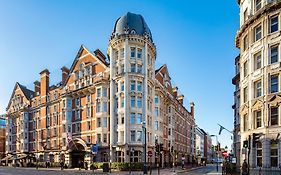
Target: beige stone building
{"points": [[258, 83], [104, 104]]}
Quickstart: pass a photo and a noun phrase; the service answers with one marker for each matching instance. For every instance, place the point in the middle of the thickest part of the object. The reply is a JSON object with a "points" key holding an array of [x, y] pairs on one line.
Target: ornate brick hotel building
{"points": [[104, 103]]}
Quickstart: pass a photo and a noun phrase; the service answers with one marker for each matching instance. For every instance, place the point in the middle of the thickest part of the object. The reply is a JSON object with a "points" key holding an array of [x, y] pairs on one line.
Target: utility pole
{"points": [[217, 151], [144, 166]]}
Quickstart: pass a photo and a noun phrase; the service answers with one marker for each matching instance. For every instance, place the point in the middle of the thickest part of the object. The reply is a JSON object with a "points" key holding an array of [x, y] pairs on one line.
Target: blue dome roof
{"points": [[131, 24]]}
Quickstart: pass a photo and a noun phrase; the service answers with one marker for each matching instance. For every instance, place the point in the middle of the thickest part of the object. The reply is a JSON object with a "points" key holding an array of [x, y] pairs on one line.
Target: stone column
{"points": [[253, 158], [279, 151], [112, 105], [67, 159], [266, 152], [144, 93], [126, 98]]}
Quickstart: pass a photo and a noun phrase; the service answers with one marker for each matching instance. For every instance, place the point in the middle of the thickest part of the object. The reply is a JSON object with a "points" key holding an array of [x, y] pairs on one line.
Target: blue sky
{"points": [[194, 38]]}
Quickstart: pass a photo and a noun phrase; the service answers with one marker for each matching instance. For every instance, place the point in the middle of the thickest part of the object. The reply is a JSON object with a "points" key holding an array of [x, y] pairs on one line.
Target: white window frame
{"points": [[258, 33]]}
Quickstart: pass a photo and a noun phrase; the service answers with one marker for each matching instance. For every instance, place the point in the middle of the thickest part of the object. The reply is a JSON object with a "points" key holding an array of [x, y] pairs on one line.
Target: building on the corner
{"points": [[258, 83], [236, 146], [2, 136], [103, 104]]}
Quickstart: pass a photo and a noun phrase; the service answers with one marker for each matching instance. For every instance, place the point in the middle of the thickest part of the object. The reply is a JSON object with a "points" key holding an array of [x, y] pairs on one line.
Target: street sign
{"points": [[225, 153], [94, 148], [233, 160], [149, 153]]}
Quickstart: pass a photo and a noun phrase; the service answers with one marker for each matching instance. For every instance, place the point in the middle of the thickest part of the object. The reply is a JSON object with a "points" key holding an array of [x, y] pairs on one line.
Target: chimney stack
{"points": [[175, 91], [64, 74], [37, 87], [44, 84], [100, 55], [192, 105]]}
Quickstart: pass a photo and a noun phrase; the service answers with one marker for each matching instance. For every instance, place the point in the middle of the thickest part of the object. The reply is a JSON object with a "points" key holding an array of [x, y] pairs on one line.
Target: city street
{"points": [[210, 169]]}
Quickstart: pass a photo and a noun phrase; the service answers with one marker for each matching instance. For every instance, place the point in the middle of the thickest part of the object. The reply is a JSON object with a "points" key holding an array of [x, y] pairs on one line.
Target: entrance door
{"points": [[77, 158], [77, 155]]}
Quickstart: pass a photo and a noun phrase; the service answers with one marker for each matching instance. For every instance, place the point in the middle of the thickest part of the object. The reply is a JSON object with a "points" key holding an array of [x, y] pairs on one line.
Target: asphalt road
{"points": [[209, 169]]}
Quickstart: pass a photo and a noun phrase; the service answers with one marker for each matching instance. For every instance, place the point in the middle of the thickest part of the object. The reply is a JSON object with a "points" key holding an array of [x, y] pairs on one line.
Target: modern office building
{"points": [[103, 110], [203, 142], [199, 142], [257, 83]]}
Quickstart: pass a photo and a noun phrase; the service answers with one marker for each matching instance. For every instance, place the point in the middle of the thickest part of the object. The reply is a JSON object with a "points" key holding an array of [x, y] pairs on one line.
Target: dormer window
{"points": [[133, 32]]}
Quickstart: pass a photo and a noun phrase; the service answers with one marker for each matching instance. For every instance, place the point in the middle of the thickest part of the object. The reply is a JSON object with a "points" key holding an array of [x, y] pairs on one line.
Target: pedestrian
{"points": [[245, 168], [61, 165], [79, 164], [86, 165]]}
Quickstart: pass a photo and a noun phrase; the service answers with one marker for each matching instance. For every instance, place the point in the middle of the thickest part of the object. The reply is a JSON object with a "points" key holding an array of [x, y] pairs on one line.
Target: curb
{"points": [[187, 170]]}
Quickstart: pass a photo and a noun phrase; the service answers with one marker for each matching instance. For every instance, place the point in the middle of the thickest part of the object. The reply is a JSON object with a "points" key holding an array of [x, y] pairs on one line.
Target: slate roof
{"points": [[27, 92], [131, 22]]}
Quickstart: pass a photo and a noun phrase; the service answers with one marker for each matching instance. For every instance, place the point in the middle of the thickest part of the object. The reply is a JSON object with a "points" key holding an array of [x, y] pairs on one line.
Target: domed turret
{"points": [[131, 24]]}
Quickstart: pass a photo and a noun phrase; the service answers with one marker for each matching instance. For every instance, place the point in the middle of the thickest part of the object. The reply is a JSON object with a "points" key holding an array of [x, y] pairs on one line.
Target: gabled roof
{"points": [[98, 55], [27, 92], [162, 67], [157, 70]]}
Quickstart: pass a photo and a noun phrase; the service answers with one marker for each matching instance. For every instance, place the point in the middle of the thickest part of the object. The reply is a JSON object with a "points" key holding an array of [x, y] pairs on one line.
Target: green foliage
{"points": [[122, 166], [54, 164]]}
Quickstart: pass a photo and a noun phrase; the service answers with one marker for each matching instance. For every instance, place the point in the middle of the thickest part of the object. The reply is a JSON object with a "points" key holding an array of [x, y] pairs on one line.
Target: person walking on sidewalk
{"points": [[61, 165], [245, 168]]}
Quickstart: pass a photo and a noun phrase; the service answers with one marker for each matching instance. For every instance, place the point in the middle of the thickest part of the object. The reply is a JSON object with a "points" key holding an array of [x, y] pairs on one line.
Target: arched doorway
{"points": [[77, 154]]}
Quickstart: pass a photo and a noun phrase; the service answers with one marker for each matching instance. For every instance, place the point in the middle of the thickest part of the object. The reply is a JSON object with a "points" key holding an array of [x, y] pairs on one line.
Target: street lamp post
{"points": [[217, 151], [144, 166]]}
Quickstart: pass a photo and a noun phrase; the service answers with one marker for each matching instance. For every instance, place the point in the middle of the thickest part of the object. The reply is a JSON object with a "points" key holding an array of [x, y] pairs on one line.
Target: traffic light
{"points": [[256, 137], [245, 144], [157, 146], [172, 149], [161, 147]]}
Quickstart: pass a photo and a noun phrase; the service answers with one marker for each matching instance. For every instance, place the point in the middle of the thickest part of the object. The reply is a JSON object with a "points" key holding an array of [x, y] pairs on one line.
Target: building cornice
{"points": [[265, 10]]}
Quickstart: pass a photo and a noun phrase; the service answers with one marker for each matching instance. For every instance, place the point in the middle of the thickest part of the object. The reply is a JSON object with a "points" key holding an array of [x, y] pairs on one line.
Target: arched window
{"points": [[133, 32]]}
